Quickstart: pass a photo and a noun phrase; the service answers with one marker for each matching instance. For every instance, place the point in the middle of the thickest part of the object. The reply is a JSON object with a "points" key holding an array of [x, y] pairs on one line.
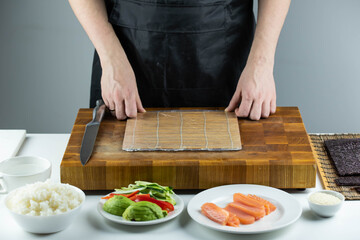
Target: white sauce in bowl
{"points": [[324, 199]]}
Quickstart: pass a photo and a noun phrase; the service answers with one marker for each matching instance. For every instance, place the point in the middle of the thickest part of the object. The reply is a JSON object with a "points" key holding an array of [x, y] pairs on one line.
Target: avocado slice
{"points": [[144, 211], [117, 205]]}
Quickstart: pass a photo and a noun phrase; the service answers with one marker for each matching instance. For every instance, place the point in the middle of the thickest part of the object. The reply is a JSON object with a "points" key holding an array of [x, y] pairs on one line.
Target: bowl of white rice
{"points": [[45, 207]]}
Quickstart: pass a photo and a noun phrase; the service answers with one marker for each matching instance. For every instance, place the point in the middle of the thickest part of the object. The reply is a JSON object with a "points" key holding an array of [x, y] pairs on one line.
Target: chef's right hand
{"points": [[118, 88]]}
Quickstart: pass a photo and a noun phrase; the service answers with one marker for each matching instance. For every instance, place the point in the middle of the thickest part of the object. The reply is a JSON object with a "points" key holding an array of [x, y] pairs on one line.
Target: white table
{"points": [[90, 225]]}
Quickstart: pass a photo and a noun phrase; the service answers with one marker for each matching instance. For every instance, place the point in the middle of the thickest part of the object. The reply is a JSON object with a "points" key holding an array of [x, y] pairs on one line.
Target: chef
{"points": [[183, 53]]}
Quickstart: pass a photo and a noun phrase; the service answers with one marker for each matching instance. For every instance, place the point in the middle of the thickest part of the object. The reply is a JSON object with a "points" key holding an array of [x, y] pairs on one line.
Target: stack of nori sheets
{"points": [[345, 154]]}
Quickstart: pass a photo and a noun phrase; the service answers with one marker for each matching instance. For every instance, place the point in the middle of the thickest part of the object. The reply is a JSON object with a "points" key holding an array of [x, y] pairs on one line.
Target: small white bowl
{"points": [[18, 171], [45, 224], [326, 210]]}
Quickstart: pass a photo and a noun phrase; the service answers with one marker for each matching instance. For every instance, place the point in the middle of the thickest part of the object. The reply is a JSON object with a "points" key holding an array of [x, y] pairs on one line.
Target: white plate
{"points": [[177, 210], [288, 209]]}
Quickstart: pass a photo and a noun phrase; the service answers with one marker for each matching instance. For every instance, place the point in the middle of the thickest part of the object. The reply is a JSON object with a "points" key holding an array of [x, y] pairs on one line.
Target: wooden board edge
{"points": [[323, 179], [67, 145]]}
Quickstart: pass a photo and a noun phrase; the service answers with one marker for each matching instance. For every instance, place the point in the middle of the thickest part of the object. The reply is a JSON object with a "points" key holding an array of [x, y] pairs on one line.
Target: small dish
{"points": [[18, 171], [178, 209], [326, 210], [45, 224]]}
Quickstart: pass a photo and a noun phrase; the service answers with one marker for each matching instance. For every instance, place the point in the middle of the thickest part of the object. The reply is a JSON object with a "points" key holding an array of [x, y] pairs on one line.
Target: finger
{"points": [[120, 110], [244, 108], [119, 105], [110, 105], [273, 106], [139, 105], [265, 110], [130, 107], [107, 104], [234, 102], [255, 112], [106, 100]]}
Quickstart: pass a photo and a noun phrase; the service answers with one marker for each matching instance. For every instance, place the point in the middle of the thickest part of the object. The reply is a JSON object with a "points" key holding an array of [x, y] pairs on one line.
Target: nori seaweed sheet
{"points": [[348, 181], [345, 153]]}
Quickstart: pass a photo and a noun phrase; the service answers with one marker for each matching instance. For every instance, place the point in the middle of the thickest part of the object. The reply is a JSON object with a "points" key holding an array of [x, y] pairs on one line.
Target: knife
{"points": [[91, 131]]}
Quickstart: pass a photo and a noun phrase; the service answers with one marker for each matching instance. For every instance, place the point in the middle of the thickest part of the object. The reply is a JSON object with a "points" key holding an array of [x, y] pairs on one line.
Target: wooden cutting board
{"points": [[275, 152], [190, 130]]}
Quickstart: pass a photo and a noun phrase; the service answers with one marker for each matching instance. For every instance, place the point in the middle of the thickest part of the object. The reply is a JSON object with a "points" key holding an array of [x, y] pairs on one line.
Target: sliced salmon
{"points": [[215, 213], [233, 220], [271, 207], [262, 201], [241, 198], [243, 217], [253, 211]]}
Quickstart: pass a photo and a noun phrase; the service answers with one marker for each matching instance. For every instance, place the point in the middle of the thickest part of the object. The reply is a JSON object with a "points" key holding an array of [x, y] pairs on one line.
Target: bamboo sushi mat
{"points": [[183, 130], [325, 166]]}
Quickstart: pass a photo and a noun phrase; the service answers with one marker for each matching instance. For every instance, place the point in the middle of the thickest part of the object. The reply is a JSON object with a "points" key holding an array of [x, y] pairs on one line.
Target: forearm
{"points": [[271, 17], [93, 17], [118, 83]]}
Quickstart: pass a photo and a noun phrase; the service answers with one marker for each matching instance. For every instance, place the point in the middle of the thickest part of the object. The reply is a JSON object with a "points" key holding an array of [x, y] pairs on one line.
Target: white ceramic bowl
{"points": [[18, 171], [45, 224], [326, 210]]}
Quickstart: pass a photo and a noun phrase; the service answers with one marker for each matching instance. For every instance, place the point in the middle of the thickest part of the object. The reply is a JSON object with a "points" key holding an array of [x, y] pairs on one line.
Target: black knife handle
{"points": [[99, 111]]}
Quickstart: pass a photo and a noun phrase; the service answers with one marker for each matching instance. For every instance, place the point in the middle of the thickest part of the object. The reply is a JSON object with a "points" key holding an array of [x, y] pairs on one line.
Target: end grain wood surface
{"points": [[275, 152]]}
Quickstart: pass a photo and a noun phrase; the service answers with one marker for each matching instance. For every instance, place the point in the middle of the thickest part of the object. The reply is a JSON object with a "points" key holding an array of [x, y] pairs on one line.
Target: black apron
{"points": [[185, 53]]}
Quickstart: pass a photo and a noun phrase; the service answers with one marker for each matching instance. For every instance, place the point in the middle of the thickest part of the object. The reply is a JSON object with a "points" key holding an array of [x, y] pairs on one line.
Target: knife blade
{"points": [[91, 131]]}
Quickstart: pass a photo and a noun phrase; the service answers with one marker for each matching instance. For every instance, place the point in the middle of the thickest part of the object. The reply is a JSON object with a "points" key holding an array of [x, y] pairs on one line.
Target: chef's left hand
{"points": [[255, 94]]}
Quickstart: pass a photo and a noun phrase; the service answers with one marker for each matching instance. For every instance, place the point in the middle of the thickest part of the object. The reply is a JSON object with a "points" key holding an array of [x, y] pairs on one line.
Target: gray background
{"points": [[46, 57]]}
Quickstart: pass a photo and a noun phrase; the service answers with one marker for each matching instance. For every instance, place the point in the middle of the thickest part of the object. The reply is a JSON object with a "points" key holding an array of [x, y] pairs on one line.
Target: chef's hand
{"points": [[118, 88], [255, 94], [118, 83]]}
